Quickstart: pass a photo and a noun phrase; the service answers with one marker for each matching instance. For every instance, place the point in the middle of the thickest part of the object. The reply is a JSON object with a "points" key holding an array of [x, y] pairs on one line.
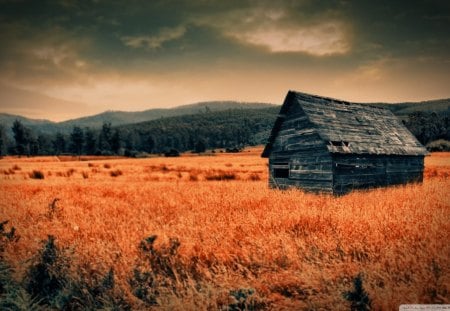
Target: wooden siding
{"points": [[299, 148], [355, 171]]}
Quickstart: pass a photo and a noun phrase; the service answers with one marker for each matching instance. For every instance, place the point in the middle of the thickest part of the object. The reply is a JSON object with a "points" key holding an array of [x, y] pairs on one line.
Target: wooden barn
{"points": [[326, 145]]}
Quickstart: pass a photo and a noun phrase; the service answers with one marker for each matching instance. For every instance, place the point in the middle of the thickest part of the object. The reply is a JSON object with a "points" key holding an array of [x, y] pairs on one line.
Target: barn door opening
{"points": [[280, 170]]}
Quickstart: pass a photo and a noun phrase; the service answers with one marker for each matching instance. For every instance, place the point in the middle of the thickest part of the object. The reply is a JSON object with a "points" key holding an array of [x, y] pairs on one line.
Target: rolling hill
{"points": [[119, 118], [402, 109]]}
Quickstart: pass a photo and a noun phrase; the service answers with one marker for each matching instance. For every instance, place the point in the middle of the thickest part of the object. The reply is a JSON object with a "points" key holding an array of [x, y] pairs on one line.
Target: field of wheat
{"points": [[205, 232]]}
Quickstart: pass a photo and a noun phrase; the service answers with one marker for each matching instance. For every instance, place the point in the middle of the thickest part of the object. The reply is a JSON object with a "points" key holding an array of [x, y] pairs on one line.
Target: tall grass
{"points": [[236, 244]]}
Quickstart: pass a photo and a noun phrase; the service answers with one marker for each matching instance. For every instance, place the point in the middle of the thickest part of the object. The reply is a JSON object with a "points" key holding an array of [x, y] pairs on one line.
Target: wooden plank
{"points": [[311, 175], [305, 146]]}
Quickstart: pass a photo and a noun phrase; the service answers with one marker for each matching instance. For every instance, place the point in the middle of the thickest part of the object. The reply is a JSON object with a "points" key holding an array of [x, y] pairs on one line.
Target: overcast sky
{"points": [[62, 59]]}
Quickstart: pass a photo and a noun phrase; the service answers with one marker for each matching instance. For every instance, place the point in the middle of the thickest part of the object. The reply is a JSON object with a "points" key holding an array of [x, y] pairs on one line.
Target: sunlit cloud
{"points": [[279, 30], [319, 40], [165, 53], [155, 42]]}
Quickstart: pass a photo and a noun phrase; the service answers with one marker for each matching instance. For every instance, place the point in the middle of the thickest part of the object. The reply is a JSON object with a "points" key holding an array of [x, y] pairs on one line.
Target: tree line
{"points": [[231, 129], [428, 127], [197, 133], [81, 141]]}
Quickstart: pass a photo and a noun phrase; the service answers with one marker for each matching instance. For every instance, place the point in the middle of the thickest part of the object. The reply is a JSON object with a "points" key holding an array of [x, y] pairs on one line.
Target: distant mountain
{"points": [[402, 109], [126, 117], [204, 125], [117, 118], [243, 127]]}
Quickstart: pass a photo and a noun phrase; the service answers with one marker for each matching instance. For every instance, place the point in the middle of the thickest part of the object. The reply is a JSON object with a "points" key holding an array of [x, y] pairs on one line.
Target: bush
{"points": [[358, 298], [221, 176], [172, 153], [12, 295], [159, 268], [233, 150], [193, 177], [6, 237], [36, 174], [70, 172], [116, 173], [49, 282], [244, 299], [254, 177], [46, 278]]}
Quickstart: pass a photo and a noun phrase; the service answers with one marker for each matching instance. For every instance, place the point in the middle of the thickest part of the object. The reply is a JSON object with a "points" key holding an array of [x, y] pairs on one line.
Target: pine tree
{"points": [[90, 144], [22, 136], [77, 139]]}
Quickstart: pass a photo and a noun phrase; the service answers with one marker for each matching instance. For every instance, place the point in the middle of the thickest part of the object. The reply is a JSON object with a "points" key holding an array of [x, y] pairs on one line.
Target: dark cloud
{"points": [[78, 44]]}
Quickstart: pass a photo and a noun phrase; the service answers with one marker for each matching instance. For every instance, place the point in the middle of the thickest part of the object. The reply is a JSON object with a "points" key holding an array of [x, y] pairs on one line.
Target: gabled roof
{"points": [[350, 128]]}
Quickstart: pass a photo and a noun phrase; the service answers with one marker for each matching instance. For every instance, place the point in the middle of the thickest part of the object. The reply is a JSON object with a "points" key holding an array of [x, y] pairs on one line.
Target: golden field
{"points": [[287, 250]]}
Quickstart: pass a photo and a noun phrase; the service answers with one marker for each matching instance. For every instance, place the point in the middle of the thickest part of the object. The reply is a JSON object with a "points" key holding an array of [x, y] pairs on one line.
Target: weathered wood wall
{"points": [[299, 148], [366, 171]]}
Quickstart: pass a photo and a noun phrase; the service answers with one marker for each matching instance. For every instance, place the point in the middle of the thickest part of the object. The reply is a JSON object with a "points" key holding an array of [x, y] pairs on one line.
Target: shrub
{"points": [[12, 295], [233, 150], [221, 176], [172, 153], [35, 174], [116, 173], [159, 268], [9, 171], [254, 177], [358, 298], [244, 299], [70, 172], [47, 276], [107, 165], [53, 209], [16, 167], [193, 177], [49, 282], [6, 237]]}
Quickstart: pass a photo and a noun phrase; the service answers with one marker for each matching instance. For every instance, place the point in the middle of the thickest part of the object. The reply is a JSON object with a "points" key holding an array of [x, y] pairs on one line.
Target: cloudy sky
{"points": [[61, 59]]}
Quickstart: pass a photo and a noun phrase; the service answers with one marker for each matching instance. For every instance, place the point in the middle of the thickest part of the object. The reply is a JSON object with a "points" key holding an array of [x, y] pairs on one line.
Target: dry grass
{"points": [[291, 250]]}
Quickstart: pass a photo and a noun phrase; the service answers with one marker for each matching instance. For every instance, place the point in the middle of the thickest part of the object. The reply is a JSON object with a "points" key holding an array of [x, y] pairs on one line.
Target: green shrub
{"points": [[48, 280], [358, 298], [244, 299], [160, 270]]}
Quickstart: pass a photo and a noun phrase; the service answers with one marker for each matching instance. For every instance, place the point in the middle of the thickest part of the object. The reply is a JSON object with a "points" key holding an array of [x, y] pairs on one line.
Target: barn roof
{"points": [[350, 128]]}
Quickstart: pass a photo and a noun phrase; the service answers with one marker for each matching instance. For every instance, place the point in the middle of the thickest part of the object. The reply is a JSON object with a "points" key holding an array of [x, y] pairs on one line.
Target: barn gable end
{"points": [[327, 145]]}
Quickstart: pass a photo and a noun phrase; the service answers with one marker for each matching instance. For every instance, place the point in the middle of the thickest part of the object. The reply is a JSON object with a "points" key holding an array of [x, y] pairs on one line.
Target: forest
{"points": [[231, 129]]}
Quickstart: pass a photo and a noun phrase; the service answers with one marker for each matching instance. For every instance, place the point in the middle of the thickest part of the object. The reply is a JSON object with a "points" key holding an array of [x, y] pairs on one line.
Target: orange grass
{"points": [[296, 250]]}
